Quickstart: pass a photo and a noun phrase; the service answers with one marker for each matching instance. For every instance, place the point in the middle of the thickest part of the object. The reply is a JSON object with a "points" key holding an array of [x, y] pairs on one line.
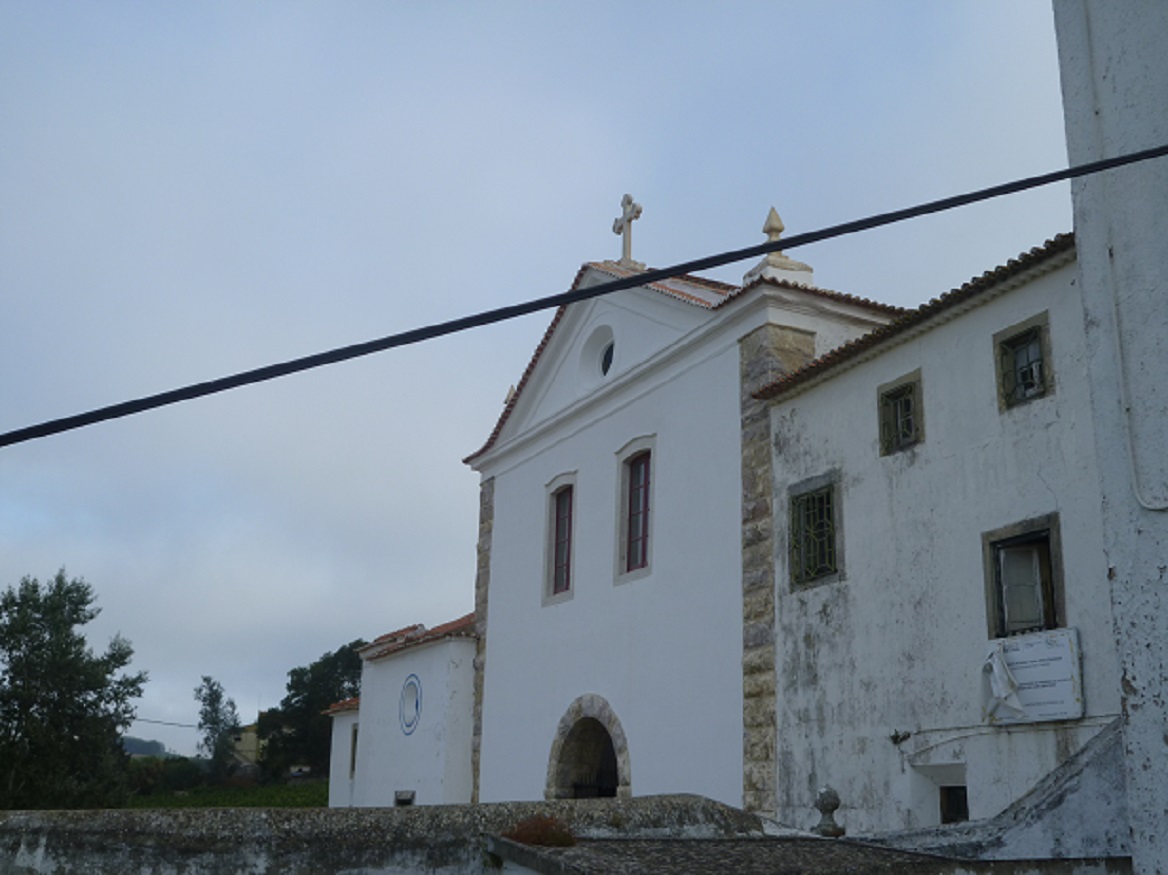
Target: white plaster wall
{"points": [[897, 646], [433, 761], [340, 781], [639, 333], [664, 649]]}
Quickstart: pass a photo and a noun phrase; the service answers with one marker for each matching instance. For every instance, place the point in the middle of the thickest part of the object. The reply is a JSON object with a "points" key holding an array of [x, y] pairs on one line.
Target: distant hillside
{"points": [[142, 747]]}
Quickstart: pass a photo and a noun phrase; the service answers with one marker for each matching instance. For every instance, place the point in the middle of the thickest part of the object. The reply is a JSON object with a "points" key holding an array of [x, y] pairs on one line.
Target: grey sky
{"points": [[191, 190]]}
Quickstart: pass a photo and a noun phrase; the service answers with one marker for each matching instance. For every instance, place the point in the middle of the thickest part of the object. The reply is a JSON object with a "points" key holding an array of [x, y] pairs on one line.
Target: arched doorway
{"points": [[589, 756]]}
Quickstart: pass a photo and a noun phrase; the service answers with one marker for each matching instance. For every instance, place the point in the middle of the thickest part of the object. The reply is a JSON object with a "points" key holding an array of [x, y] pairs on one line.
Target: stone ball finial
{"points": [[827, 801], [773, 227]]}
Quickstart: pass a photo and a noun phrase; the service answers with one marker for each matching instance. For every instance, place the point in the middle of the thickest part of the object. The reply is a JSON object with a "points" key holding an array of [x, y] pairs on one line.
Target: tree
{"points": [[298, 732], [62, 708], [218, 723]]}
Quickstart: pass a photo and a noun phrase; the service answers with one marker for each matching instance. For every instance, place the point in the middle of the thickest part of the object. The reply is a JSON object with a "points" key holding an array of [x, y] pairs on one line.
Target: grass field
{"points": [[301, 795]]}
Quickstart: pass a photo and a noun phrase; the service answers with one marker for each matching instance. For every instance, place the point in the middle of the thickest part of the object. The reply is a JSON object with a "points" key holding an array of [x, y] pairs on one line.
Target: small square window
{"points": [[902, 422], [1024, 578], [1023, 362], [954, 804], [814, 535]]}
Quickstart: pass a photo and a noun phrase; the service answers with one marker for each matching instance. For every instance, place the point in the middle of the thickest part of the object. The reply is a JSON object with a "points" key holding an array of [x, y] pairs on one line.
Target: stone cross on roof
{"points": [[623, 225]]}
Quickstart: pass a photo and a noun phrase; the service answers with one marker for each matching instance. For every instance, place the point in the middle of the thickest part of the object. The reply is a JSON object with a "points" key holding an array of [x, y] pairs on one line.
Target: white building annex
{"points": [[407, 740], [937, 502]]}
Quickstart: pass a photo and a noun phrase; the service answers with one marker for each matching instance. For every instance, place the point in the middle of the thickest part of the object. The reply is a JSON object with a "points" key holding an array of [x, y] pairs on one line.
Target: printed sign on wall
{"points": [[1033, 678]]}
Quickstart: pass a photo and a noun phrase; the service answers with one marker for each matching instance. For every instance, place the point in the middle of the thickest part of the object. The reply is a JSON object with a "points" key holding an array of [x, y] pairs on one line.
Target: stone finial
{"points": [[826, 803], [775, 265], [623, 225]]}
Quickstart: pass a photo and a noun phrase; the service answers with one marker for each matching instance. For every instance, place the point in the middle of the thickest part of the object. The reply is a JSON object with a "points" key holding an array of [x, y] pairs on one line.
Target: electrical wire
{"points": [[164, 723], [488, 317]]}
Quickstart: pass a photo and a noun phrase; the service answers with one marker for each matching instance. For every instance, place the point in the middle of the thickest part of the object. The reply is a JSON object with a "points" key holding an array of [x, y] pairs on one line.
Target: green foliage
{"points": [[218, 723], [299, 732], [141, 747], [151, 776], [62, 708], [308, 794]]}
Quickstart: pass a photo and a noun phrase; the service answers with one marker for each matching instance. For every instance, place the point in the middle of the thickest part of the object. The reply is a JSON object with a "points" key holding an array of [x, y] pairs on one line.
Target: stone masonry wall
{"points": [[482, 585], [764, 355], [438, 839]]}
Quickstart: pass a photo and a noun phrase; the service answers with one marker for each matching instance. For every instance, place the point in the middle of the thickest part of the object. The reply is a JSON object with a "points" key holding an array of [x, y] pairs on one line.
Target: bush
{"points": [[541, 829]]}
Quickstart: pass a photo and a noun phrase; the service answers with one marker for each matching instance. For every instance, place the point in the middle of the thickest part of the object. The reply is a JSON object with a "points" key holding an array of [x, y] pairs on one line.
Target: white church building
{"points": [[746, 541]]}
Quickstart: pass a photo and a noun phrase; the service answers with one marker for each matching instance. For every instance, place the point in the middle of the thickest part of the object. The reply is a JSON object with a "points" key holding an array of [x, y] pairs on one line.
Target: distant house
{"points": [[246, 748]]}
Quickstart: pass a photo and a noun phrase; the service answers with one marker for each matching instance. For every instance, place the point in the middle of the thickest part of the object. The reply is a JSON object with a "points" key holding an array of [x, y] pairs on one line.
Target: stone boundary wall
{"points": [[440, 839]]}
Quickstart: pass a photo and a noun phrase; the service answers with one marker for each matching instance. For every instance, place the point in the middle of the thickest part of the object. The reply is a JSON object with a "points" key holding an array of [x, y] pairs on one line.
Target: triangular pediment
{"points": [[591, 344]]}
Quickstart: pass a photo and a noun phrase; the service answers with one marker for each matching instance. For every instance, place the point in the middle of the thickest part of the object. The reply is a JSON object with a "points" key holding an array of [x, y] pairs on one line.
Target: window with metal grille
{"points": [[562, 540], [1024, 362], [1022, 372], [901, 419], [637, 530], [813, 535]]}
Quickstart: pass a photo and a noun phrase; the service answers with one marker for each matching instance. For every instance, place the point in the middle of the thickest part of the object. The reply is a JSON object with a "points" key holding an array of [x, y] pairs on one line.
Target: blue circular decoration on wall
{"points": [[409, 708]]}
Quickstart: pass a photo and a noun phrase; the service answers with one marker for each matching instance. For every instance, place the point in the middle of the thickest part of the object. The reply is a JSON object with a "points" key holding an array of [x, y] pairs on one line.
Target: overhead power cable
{"points": [[500, 314], [164, 723]]}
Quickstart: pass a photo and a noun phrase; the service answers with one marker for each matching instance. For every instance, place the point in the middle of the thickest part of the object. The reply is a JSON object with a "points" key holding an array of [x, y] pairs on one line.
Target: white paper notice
{"points": [[1047, 678]]}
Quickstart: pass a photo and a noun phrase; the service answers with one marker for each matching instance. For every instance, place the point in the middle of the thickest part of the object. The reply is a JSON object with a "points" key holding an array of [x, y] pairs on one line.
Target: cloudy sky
{"points": [[191, 190]]}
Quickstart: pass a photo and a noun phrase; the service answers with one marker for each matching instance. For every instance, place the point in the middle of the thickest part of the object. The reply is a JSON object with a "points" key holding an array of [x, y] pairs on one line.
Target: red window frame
{"points": [[637, 527], [562, 540]]}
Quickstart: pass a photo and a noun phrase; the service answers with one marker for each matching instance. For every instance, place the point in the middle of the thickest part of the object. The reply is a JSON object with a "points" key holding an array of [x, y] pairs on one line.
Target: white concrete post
{"points": [[1114, 69]]}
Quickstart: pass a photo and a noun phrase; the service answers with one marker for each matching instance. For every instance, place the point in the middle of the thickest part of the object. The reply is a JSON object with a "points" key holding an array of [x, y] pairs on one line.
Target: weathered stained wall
{"points": [[880, 671]]}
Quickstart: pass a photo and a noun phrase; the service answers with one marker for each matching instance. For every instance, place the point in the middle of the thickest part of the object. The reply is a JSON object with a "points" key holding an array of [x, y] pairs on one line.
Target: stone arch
{"points": [[588, 737]]}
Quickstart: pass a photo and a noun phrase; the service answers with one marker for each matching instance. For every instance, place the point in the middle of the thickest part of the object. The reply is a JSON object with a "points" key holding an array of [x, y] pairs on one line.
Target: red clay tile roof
{"points": [[841, 297], [413, 636], [912, 318], [699, 291], [343, 706], [395, 634]]}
